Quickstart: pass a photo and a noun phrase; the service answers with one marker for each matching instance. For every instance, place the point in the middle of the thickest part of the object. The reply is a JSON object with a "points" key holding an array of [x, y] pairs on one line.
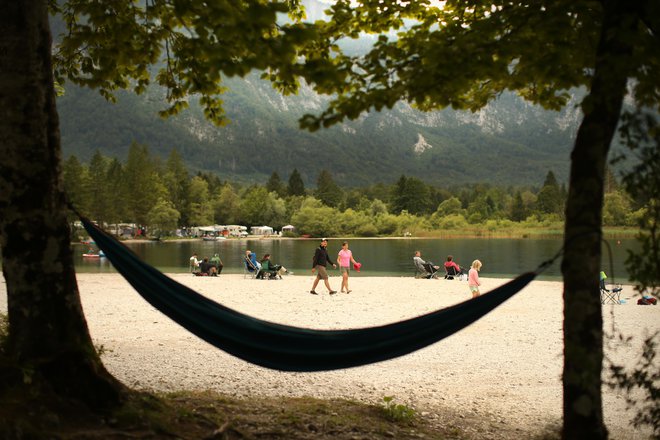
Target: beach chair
{"points": [[424, 269], [430, 271], [611, 295], [451, 272], [249, 269], [270, 274]]}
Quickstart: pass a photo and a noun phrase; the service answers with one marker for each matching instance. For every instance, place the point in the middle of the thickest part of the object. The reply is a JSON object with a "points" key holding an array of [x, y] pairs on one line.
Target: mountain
{"points": [[507, 142]]}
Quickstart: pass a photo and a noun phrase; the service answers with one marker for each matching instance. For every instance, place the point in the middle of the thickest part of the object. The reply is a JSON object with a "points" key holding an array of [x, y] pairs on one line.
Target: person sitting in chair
{"points": [[420, 270], [249, 255], [271, 269], [194, 263], [452, 269], [217, 262], [208, 268]]}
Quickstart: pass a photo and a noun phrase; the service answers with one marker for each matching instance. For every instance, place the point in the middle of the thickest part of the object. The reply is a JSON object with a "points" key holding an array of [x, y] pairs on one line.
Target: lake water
{"points": [[501, 257]]}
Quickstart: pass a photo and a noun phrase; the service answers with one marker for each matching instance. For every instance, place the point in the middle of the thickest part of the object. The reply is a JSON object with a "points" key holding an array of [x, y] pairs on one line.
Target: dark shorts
{"points": [[321, 273]]}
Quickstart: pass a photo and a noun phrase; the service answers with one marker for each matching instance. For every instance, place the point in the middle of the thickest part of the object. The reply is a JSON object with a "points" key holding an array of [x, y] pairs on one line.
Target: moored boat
{"points": [[213, 237], [89, 254]]}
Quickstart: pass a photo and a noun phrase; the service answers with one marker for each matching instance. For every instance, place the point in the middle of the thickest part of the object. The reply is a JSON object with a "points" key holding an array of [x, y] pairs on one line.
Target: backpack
{"points": [[647, 301]]}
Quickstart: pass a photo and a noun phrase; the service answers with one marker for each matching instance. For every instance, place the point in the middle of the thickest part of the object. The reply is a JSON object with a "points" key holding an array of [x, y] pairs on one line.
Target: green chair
{"points": [[611, 295]]}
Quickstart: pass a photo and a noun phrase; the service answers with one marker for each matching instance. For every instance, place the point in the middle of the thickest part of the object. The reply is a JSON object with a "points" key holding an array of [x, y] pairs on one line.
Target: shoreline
{"points": [[608, 232], [504, 369]]}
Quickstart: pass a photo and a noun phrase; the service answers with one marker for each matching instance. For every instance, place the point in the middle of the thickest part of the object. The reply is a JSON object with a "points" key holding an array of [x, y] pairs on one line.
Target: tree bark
{"points": [[583, 324], [48, 334]]}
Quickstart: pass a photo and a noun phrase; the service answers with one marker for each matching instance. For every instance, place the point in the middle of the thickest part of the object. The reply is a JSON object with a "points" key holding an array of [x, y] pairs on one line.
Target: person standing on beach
{"points": [[473, 278], [344, 259], [319, 262]]}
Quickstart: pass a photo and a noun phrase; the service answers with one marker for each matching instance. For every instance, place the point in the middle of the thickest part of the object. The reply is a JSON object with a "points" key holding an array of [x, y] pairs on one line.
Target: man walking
{"points": [[320, 261]]}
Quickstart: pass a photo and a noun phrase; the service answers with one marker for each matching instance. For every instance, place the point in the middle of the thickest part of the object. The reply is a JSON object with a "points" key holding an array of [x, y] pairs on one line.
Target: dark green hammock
{"points": [[288, 348]]}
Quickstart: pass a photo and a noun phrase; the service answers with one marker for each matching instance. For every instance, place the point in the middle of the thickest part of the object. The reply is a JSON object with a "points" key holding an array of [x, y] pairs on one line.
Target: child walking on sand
{"points": [[344, 259], [473, 278]]}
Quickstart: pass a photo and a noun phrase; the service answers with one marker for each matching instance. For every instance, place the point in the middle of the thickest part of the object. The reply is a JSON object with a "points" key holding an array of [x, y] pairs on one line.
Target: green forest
{"points": [[165, 196]]}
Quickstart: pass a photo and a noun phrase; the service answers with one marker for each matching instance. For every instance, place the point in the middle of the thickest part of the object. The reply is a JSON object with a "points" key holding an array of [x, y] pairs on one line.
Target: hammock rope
{"points": [[288, 348]]}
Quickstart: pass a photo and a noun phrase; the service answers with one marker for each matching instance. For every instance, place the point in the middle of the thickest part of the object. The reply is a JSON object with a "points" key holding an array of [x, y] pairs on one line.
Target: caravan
{"points": [[261, 230], [236, 230]]}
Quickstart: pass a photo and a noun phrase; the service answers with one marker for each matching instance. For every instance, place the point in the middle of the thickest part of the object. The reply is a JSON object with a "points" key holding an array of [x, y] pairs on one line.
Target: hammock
{"points": [[287, 348]]}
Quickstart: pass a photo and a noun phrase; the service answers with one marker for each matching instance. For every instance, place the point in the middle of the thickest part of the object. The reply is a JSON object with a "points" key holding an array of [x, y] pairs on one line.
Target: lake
{"points": [[501, 257]]}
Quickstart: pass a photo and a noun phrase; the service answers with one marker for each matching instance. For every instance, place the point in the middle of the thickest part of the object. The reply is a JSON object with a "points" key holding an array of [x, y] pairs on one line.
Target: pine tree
{"points": [[327, 191], [296, 186], [116, 201], [74, 184], [412, 195], [98, 188], [140, 183], [549, 199], [177, 182], [518, 210], [275, 185]]}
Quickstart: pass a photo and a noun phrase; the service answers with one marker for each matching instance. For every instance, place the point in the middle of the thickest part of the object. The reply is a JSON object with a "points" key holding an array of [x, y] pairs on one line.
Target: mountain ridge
{"points": [[263, 136]]}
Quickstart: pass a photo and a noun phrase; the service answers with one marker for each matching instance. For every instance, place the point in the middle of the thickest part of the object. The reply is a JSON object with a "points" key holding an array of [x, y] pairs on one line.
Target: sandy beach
{"points": [[504, 370]]}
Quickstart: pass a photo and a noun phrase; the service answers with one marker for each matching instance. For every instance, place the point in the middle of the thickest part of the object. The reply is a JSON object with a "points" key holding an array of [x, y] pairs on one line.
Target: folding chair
{"points": [[451, 272], [430, 271], [424, 269], [609, 296], [249, 269]]}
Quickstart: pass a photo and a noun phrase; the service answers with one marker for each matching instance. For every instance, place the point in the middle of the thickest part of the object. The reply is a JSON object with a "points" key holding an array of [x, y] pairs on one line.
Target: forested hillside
{"points": [[508, 142]]}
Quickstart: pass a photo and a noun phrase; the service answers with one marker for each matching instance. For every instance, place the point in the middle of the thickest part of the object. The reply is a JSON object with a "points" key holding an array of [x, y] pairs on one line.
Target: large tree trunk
{"points": [[48, 333], [583, 324]]}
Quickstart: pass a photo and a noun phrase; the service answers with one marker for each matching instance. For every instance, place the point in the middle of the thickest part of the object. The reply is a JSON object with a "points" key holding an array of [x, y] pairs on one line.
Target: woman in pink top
{"points": [[473, 278], [344, 260]]}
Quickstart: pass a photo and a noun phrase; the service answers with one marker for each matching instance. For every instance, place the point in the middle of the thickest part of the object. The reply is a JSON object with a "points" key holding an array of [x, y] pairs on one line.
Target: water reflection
{"points": [[501, 257]]}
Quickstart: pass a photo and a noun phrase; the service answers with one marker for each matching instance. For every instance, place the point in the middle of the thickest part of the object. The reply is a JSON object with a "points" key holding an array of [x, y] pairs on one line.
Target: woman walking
{"points": [[344, 259], [473, 278]]}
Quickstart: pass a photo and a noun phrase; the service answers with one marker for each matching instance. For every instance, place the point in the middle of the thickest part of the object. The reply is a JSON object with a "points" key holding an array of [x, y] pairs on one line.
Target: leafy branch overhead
{"points": [[466, 53], [461, 55], [193, 45]]}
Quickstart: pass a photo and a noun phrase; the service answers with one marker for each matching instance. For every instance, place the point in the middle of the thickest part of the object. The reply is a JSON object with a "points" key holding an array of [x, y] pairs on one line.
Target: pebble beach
{"points": [[504, 370]]}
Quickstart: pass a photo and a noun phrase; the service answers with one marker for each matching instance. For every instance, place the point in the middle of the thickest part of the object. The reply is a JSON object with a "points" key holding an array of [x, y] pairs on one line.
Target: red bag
{"points": [[646, 301]]}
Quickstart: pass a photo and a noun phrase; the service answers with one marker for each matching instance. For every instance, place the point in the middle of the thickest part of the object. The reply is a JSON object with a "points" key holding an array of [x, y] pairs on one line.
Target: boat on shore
{"points": [[100, 254], [213, 238]]}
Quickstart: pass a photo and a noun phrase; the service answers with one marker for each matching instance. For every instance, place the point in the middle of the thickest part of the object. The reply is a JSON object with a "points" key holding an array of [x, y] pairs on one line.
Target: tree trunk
{"points": [[48, 334], [583, 324]]}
